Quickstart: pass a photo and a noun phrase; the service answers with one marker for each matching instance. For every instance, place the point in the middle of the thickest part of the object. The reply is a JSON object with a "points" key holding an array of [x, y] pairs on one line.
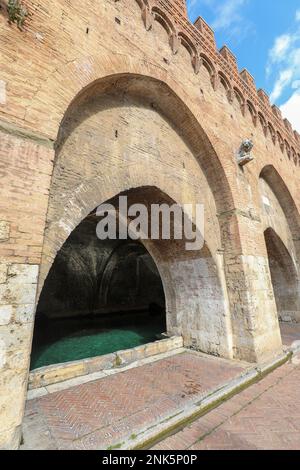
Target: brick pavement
{"points": [[265, 416], [111, 410]]}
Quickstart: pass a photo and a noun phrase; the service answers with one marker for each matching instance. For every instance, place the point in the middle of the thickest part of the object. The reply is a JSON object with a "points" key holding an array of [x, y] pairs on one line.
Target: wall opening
{"points": [[285, 285], [99, 297]]}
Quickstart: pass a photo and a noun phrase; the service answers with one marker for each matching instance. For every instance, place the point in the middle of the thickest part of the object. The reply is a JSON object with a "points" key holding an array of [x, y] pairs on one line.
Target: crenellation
{"points": [[264, 97], [277, 111], [201, 35], [288, 125], [249, 79], [229, 57], [206, 31]]}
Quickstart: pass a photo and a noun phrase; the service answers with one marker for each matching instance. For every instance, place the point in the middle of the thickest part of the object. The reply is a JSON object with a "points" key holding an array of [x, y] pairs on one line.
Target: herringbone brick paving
{"points": [[265, 416], [104, 413]]}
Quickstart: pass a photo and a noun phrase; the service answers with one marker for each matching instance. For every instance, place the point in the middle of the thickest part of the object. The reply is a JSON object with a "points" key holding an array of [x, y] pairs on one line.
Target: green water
{"points": [[65, 341]]}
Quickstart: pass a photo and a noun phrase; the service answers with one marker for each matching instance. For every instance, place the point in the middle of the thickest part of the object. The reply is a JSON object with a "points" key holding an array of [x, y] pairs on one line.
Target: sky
{"points": [[265, 37]]}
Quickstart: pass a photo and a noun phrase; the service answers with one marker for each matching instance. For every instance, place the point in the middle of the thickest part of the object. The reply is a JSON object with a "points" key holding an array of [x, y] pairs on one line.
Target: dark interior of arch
{"points": [[99, 297], [284, 277]]}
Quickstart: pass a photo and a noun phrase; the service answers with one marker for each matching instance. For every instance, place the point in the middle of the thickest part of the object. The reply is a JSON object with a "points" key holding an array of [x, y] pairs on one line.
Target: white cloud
{"points": [[298, 15], [228, 16], [228, 13], [281, 46], [296, 85], [284, 62], [291, 110], [284, 79]]}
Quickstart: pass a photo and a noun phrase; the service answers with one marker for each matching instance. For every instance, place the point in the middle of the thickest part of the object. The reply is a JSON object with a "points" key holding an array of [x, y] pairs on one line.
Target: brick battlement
{"points": [[199, 40]]}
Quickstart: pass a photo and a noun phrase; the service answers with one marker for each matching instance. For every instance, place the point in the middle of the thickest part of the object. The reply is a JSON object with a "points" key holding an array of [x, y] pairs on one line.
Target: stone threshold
{"points": [[73, 373], [187, 415]]}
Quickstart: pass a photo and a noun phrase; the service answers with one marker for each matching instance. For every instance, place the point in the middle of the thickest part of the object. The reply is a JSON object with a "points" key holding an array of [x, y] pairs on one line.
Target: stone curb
{"points": [[186, 416], [57, 373]]}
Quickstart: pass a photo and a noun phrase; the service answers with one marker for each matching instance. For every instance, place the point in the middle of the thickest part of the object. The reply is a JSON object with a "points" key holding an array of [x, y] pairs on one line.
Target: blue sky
{"points": [[265, 37]]}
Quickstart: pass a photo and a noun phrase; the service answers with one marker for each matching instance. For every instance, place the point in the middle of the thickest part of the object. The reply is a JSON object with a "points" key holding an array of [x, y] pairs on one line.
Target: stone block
{"points": [[125, 357], [18, 359], [23, 273], [6, 313], [24, 313], [16, 337], [12, 391], [17, 293], [151, 349], [10, 439], [96, 364], [139, 352], [54, 374], [176, 342]]}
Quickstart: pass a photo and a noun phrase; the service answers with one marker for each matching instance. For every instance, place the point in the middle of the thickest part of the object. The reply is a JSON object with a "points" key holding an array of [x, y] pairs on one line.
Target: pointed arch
{"points": [[164, 20], [225, 82], [287, 203], [207, 63], [284, 276], [240, 97], [252, 111], [272, 132], [263, 123]]}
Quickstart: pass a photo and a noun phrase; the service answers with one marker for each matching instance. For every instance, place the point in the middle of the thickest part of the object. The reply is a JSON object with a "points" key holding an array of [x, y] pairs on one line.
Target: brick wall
{"points": [[182, 138]]}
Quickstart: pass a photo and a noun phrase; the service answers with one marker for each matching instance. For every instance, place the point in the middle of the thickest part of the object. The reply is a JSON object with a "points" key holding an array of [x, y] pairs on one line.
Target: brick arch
{"points": [[166, 101], [80, 75], [71, 202], [164, 20]]}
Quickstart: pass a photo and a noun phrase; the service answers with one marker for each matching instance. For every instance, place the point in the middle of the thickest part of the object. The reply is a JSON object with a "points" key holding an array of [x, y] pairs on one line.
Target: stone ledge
{"points": [[56, 373]]}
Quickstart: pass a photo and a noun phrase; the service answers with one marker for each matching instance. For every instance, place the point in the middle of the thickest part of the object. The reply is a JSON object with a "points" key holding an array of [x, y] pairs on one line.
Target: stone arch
{"points": [[281, 220], [207, 63], [252, 111], [240, 98], [225, 82], [108, 106], [196, 305], [287, 148], [280, 141], [166, 101], [272, 132], [294, 155], [188, 44], [263, 123], [284, 277], [164, 20], [168, 26], [285, 199]]}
